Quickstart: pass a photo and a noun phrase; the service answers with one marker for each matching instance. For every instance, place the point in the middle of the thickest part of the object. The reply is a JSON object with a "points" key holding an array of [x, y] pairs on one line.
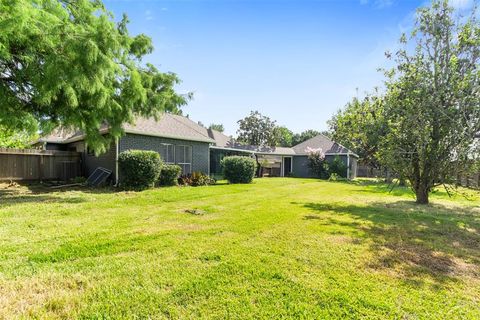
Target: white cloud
{"points": [[148, 15]]}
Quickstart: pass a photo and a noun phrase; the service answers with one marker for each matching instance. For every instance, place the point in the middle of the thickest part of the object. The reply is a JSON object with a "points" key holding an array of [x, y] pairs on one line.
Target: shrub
{"points": [[139, 169], [338, 167], [317, 164], [169, 175], [196, 179], [238, 169]]}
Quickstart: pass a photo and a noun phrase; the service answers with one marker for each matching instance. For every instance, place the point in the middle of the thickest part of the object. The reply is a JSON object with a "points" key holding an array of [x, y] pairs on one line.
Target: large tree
{"points": [[69, 63], [16, 138], [284, 136], [217, 126], [257, 129], [433, 99], [304, 136], [361, 126]]}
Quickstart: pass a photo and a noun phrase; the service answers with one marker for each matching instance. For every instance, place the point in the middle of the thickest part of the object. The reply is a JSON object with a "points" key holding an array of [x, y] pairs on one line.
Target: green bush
{"points": [[237, 169], [318, 165], [169, 175], [196, 179], [139, 169], [338, 167]]}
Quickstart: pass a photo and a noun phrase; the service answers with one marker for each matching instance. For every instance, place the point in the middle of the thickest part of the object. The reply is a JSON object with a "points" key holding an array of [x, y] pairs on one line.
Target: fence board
{"points": [[33, 164]]}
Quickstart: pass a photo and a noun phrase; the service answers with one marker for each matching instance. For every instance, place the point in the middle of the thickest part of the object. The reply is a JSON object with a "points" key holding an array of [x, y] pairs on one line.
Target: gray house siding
{"points": [[200, 150], [106, 160], [301, 169]]}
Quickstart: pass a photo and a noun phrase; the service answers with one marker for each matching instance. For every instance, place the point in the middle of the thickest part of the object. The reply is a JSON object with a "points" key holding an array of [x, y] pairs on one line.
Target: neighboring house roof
{"points": [[328, 146], [225, 142], [168, 126]]}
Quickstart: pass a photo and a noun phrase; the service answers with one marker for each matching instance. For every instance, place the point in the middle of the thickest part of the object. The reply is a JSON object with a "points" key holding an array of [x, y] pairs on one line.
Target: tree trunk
{"points": [[422, 194], [402, 182]]}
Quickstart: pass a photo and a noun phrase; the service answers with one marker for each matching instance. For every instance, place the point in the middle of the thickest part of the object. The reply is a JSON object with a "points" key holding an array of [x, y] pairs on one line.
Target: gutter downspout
{"points": [[116, 162], [209, 159]]}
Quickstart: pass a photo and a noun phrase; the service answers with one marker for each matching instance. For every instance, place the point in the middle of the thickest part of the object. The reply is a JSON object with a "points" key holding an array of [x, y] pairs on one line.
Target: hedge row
{"points": [[142, 169]]}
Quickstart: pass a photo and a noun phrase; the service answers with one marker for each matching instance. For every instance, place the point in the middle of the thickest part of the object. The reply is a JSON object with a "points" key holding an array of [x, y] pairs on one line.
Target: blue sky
{"points": [[295, 61]]}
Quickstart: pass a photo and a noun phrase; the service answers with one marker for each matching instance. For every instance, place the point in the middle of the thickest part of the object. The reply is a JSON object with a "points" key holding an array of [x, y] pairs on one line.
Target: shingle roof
{"points": [[222, 140], [328, 146], [179, 127], [168, 126]]}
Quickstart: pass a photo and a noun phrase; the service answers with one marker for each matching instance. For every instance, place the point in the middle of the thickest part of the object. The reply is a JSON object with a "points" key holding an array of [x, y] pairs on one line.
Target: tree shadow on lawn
{"points": [[380, 187], [434, 240]]}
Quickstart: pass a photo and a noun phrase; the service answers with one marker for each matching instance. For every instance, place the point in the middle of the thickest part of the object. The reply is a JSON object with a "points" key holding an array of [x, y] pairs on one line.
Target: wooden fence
{"points": [[364, 171], [469, 180], [33, 164]]}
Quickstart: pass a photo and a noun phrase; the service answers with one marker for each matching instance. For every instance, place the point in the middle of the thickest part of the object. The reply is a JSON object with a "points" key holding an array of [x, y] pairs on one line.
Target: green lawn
{"points": [[278, 248]]}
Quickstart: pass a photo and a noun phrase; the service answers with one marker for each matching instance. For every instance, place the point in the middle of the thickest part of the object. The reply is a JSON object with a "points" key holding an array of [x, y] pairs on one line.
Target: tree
{"points": [[284, 136], [218, 127], [257, 129], [304, 136], [360, 127], [433, 102], [16, 139], [68, 63]]}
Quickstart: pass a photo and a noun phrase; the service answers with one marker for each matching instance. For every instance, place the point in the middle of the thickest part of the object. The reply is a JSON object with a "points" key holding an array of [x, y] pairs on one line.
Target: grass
{"points": [[279, 248]]}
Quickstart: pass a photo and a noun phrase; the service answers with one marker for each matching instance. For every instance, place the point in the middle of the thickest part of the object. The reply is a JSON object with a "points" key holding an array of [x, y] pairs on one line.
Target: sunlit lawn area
{"points": [[277, 248]]}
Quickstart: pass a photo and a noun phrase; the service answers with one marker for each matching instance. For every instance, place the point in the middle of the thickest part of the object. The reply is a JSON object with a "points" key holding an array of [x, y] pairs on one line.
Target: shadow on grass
{"points": [[434, 240], [37, 193]]}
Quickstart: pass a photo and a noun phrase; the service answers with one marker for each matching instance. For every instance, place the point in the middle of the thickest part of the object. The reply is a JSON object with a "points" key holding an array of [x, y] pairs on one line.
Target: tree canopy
{"points": [[69, 63], [304, 136], [284, 136], [218, 127], [257, 129], [360, 127], [16, 139]]}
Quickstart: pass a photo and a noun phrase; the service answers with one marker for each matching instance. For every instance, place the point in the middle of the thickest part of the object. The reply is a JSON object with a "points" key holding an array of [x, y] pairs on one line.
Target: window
{"points": [[167, 153], [183, 157]]}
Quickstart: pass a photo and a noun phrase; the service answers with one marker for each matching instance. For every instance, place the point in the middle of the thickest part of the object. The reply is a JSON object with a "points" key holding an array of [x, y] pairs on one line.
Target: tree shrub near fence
{"points": [[238, 169], [139, 169]]}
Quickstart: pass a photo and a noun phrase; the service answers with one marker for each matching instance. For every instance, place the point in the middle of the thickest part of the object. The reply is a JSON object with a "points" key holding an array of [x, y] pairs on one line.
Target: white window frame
{"points": [[167, 154], [182, 164]]}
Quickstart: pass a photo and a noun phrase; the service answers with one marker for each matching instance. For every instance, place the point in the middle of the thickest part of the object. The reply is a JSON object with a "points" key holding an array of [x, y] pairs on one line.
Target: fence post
{"points": [[40, 168]]}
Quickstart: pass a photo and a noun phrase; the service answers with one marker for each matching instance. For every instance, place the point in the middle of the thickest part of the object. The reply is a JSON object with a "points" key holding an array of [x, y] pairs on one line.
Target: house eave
{"points": [[232, 149], [152, 134]]}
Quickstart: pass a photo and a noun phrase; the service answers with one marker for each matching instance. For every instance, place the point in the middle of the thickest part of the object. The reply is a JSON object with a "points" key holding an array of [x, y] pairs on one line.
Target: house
{"points": [[182, 141]]}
